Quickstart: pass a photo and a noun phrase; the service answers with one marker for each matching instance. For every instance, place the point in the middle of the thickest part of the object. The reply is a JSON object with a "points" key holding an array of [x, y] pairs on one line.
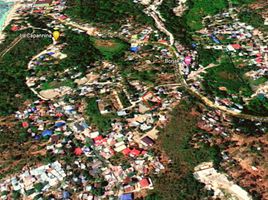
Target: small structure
{"points": [[128, 196]]}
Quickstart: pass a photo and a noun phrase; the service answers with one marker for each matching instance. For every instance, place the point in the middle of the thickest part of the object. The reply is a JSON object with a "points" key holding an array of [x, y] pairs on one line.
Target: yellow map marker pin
{"points": [[56, 35]]}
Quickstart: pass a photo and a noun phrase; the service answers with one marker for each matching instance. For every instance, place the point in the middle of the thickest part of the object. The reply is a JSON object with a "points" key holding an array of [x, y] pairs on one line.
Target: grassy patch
{"points": [[110, 48], [57, 84], [259, 81]]}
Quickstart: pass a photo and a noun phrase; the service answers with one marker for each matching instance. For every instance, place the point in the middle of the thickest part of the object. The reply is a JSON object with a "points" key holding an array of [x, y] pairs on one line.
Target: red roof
{"points": [[258, 55], [63, 17], [78, 151], [99, 140], [258, 60], [135, 152], [25, 124], [144, 183], [126, 151], [236, 46], [15, 28], [59, 114], [38, 11]]}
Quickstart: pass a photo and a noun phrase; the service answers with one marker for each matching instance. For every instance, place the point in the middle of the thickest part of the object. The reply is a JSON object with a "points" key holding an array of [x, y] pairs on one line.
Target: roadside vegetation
{"points": [[179, 182], [176, 25]]}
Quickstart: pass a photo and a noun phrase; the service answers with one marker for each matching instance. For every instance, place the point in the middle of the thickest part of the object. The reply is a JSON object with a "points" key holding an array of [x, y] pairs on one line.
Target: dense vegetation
{"points": [[241, 2], [13, 70], [208, 56], [173, 23], [80, 52], [201, 8], [103, 122], [228, 76], [258, 105], [253, 18], [111, 13], [179, 183]]}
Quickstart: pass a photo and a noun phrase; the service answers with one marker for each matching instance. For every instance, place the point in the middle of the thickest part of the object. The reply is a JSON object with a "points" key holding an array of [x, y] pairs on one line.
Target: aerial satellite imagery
{"points": [[133, 100]]}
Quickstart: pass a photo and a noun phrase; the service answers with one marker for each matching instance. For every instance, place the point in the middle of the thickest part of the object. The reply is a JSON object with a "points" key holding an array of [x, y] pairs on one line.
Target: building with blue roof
{"points": [[59, 124], [66, 195], [128, 196], [47, 133], [134, 49]]}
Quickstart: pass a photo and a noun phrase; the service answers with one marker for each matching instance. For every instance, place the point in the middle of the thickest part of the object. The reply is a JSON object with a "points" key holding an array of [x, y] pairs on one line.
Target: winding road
{"points": [[151, 11]]}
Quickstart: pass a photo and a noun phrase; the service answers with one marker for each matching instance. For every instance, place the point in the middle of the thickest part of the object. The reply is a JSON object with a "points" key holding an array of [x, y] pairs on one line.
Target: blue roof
{"points": [[66, 195], [37, 137], [59, 124], [47, 133], [126, 196], [215, 39], [134, 49]]}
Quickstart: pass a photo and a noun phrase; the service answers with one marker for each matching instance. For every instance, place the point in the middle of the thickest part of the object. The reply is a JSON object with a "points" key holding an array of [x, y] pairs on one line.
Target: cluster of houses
{"points": [[32, 181], [244, 44]]}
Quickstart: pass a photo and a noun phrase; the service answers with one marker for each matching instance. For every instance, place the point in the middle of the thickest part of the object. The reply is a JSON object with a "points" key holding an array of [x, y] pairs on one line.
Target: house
{"points": [[128, 196], [147, 141], [145, 183], [15, 28], [78, 151]]}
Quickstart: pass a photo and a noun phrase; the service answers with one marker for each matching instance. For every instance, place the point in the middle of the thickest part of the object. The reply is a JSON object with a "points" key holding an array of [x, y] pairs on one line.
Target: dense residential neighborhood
{"points": [[105, 97]]}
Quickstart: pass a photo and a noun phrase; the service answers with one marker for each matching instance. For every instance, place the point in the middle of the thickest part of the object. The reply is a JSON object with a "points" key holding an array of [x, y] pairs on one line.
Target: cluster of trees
{"points": [[201, 8], [225, 75], [176, 25], [80, 52], [103, 122], [208, 56], [253, 18], [258, 106], [13, 70], [179, 182], [112, 13]]}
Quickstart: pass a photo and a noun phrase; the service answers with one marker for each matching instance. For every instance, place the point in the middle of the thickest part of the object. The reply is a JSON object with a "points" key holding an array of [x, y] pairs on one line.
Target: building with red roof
{"points": [[236, 46], [145, 183], [15, 28], [25, 124], [126, 151], [135, 152], [78, 151], [99, 140]]}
